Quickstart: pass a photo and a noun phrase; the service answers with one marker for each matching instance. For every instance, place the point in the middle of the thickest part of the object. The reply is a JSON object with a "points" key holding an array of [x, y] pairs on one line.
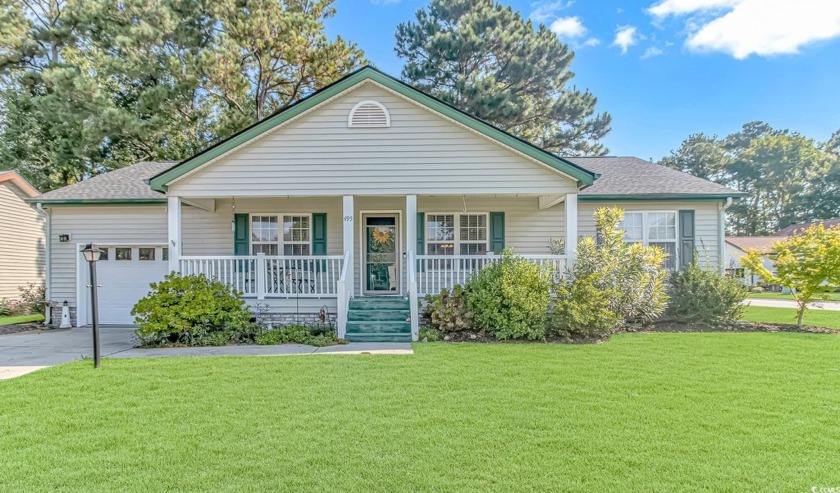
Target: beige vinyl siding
{"points": [[706, 222], [127, 225], [21, 242], [420, 153], [211, 233]]}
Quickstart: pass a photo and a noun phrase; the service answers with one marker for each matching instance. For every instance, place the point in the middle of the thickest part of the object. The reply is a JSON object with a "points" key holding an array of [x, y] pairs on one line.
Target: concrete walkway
{"points": [[27, 352], [819, 305]]}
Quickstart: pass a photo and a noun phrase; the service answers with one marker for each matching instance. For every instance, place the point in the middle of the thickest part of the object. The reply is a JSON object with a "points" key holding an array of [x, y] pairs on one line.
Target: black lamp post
{"points": [[92, 253]]}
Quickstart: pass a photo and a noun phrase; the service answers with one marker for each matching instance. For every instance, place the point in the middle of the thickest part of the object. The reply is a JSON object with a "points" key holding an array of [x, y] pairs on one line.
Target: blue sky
{"points": [[667, 68]]}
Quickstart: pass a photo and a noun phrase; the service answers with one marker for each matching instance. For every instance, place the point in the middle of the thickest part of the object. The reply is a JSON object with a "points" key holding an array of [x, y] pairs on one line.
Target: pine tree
{"points": [[485, 59]]}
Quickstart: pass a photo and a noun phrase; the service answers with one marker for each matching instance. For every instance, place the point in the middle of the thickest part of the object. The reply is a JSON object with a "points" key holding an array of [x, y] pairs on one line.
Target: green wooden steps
{"points": [[378, 320]]}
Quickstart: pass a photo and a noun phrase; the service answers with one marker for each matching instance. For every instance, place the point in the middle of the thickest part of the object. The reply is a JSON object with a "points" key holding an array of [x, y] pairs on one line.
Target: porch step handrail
{"points": [[344, 294]]}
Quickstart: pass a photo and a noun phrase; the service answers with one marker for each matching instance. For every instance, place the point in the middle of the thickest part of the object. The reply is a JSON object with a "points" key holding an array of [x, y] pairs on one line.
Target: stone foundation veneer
{"points": [[281, 319]]}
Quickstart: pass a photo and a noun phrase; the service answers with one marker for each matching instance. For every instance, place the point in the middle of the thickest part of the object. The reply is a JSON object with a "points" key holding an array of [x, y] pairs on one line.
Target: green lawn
{"points": [[643, 412], [819, 318], [19, 319], [780, 296]]}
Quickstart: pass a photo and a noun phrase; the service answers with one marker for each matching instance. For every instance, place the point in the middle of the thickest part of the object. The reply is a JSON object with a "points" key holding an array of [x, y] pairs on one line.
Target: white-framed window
{"points": [[457, 233], [296, 234], [653, 228], [281, 234]]}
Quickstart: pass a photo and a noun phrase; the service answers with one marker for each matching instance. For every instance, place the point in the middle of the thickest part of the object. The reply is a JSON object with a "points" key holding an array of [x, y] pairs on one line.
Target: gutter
{"points": [[722, 231]]}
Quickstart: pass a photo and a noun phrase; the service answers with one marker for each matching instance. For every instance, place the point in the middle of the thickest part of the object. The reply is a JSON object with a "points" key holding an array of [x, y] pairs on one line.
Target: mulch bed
{"points": [[655, 327], [20, 328]]}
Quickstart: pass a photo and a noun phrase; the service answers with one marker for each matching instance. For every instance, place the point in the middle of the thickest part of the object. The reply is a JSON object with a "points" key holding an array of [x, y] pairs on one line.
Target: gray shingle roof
{"points": [[121, 184], [795, 228], [619, 176], [623, 175]]}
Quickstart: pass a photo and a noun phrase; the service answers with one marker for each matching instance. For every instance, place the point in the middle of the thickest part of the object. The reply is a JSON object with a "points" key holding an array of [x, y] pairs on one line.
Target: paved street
{"points": [[821, 305]]}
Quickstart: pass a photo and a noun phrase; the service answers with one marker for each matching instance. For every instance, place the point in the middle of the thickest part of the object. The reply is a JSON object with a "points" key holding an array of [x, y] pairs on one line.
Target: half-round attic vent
{"points": [[369, 114]]}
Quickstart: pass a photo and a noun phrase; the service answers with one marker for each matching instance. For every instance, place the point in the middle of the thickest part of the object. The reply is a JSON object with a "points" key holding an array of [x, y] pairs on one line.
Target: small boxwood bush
{"points": [[187, 309], [510, 298], [300, 334], [700, 295]]}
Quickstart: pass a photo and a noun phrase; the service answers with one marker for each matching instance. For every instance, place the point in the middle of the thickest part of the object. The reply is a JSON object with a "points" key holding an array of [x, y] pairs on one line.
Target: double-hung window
{"points": [[658, 228], [268, 238], [456, 234]]}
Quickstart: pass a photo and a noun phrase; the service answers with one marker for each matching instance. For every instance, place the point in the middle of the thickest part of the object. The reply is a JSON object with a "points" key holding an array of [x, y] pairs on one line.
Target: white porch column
{"points": [[571, 227], [348, 220], [174, 244], [411, 222]]}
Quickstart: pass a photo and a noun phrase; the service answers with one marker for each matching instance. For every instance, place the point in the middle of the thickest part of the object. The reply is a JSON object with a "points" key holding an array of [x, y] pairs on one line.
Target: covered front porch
{"points": [[313, 254]]}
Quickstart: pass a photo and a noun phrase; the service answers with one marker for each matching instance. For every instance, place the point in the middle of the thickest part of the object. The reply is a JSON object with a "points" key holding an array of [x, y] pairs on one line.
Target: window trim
{"points": [[457, 227], [280, 241], [646, 233]]}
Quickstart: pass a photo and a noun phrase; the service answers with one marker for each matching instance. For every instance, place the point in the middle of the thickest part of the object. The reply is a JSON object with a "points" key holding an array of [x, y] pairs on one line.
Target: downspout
{"points": [[47, 261], [722, 232]]}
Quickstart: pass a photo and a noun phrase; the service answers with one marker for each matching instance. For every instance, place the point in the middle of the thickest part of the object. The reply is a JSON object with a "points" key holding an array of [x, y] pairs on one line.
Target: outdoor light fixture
{"points": [[91, 253]]}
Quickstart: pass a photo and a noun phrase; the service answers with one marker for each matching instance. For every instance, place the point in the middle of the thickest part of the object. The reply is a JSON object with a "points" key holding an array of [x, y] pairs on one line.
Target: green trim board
{"points": [[96, 202], [640, 197], [161, 181]]}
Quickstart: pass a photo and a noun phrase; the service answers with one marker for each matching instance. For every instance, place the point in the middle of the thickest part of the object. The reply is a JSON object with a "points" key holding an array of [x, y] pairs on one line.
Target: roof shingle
{"points": [[121, 184], [624, 175]]}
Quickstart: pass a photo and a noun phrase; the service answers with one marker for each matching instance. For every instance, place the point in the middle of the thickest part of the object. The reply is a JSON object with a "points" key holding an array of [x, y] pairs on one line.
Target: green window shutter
{"points": [[319, 233], [421, 233], [687, 250], [319, 238], [497, 232], [240, 234], [421, 239]]}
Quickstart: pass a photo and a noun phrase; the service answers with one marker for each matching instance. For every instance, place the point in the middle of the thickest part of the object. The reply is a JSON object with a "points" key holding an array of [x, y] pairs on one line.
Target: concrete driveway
{"points": [[817, 305], [27, 352]]}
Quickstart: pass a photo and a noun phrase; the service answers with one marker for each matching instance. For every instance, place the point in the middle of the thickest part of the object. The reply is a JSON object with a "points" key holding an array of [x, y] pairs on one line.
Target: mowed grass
{"points": [[818, 318], [643, 412], [20, 319]]}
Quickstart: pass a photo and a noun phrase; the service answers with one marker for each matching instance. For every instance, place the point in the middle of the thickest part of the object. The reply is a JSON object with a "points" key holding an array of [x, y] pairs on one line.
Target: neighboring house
{"points": [[367, 188], [21, 236], [738, 246], [796, 228]]}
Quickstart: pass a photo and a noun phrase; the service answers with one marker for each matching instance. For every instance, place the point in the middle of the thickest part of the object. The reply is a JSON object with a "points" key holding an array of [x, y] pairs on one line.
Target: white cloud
{"points": [[568, 27], [651, 52], [544, 11], [762, 27], [591, 42], [385, 2], [625, 37]]}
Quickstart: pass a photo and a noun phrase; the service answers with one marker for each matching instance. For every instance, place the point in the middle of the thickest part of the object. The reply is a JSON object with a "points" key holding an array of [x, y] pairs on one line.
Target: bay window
{"points": [[657, 228]]}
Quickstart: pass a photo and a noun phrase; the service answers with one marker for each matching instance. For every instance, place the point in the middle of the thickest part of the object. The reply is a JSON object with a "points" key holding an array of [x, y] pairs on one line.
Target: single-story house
{"points": [[353, 203], [21, 236], [738, 246]]}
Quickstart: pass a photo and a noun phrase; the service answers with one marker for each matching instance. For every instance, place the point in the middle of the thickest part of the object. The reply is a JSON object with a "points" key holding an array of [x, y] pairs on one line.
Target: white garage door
{"points": [[124, 276]]}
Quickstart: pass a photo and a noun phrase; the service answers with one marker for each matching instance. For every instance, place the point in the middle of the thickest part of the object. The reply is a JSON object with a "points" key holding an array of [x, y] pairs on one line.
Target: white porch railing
{"points": [[436, 272], [262, 276]]}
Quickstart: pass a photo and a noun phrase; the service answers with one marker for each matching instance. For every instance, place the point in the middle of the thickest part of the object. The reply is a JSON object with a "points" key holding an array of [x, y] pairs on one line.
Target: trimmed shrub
{"points": [[699, 295], [33, 298], [510, 298], [299, 334], [184, 309], [582, 309], [631, 272], [448, 310], [429, 334]]}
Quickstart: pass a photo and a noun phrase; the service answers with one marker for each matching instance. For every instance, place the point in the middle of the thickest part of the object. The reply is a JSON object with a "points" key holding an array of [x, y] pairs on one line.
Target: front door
{"points": [[381, 260]]}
